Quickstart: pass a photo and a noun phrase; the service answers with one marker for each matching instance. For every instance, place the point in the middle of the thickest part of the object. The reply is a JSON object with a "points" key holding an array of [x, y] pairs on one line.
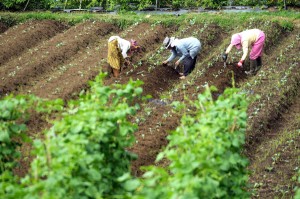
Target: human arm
{"points": [[172, 56], [124, 46], [124, 51], [225, 54], [165, 62], [245, 52], [228, 49], [183, 51], [245, 45], [127, 61], [240, 63]]}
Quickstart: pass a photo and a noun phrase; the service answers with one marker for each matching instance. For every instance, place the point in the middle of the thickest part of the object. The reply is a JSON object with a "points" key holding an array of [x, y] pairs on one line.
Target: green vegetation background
{"points": [[19, 5]]}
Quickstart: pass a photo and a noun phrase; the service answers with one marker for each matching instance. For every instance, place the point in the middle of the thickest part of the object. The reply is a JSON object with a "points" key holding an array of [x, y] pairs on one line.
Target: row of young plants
{"points": [[125, 20], [282, 82], [154, 61], [272, 29], [204, 152], [274, 32], [155, 58], [132, 184], [88, 53], [277, 85], [84, 154]]}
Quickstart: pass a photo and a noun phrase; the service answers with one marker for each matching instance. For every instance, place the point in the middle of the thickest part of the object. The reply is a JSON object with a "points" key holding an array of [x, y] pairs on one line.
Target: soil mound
{"points": [[50, 54], [3, 27], [25, 36]]}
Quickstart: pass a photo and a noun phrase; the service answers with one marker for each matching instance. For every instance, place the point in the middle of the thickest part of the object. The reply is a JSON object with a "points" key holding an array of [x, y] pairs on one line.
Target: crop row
{"points": [[209, 66], [84, 154], [57, 50]]}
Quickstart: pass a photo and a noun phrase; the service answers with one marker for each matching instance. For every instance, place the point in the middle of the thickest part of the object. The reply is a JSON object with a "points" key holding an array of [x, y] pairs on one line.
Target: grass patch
{"points": [[126, 19]]}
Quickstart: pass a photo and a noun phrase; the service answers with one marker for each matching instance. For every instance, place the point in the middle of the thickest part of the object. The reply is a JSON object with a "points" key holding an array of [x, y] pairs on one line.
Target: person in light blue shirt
{"points": [[187, 49]]}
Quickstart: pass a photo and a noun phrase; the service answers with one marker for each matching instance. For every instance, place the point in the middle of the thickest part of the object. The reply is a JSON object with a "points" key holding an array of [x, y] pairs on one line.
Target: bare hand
{"points": [[165, 62], [127, 62], [240, 64], [177, 63]]}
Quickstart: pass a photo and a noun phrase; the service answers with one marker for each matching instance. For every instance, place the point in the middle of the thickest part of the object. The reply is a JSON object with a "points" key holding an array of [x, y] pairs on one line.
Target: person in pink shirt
{"points": [[253, 38]]}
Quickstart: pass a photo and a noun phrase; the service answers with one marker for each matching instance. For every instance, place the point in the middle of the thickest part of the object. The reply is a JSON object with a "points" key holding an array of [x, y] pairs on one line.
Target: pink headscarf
{"points": [[236, 40], [133, 42], [133, 46]]}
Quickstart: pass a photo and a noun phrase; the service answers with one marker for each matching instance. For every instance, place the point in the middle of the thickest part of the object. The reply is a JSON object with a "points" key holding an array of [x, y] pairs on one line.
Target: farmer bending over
{"points": [[187, 49], [254, 38], [117, 53]]}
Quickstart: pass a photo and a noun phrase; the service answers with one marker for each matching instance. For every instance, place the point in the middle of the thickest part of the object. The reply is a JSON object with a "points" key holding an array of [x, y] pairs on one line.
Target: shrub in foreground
{"points": [[83, 155], [204, 152]]}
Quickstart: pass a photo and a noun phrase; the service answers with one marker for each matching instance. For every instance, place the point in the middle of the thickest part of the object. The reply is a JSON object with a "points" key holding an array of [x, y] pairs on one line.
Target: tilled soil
{"points": [[274, 170], [25, 36], [61, 64], [3, 27], [50, 54]]}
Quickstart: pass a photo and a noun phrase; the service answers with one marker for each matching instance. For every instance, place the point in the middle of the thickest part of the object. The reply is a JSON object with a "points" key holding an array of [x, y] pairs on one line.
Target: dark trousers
{"points": [[189, 65]]}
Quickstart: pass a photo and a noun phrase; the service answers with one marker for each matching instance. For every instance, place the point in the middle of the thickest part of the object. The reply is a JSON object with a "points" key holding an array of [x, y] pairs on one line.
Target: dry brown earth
{"points": [[60, 64]]}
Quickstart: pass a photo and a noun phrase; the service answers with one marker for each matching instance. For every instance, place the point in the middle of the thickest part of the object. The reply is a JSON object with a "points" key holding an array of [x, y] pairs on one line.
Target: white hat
{"points": [[168, 41]]}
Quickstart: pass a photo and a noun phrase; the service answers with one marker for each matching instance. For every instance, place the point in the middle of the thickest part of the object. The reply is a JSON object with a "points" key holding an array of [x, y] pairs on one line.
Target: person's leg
{"points": [[253, 66], [259, 64], [116, 72], [109, 70], [255, 54], [193, 64], [189, 65], [258, 46]]}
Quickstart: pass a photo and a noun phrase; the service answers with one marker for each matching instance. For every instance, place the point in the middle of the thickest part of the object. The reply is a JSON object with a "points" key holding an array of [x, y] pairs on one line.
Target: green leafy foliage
{"points": [[11, 110], [9, 186], [11, 3], [212, 3], [297, 194], [122, 5], [204, 152], [27, 4], [14, 112], [84, 155]]}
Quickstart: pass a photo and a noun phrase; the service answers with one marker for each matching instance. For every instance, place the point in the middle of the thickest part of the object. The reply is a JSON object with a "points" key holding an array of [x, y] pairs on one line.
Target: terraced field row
{"points": [[54, 60]]}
